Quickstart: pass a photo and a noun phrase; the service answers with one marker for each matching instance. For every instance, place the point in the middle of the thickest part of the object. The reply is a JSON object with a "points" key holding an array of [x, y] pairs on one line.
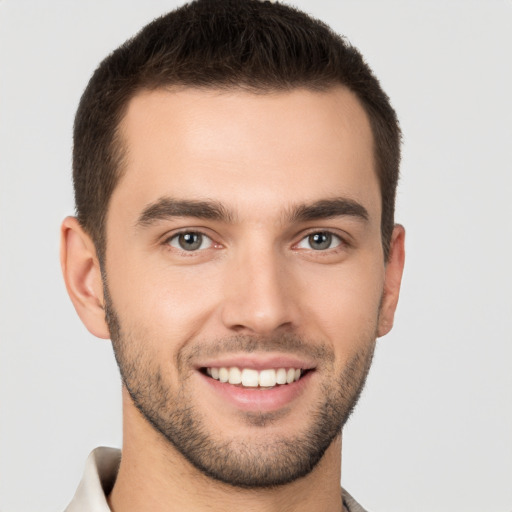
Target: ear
{"points": [[82, 274], [392, 280]]}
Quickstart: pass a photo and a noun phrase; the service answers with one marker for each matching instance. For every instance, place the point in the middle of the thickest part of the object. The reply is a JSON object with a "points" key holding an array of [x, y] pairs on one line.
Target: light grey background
{"points": [[433, 431]]}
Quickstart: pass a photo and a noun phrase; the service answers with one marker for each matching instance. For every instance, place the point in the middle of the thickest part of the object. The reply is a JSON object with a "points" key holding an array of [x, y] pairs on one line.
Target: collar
{"points": [[98, 479]]}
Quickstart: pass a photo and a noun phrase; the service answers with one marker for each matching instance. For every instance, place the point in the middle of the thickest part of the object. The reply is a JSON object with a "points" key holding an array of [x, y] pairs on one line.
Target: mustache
{"points": [[285, 342]]}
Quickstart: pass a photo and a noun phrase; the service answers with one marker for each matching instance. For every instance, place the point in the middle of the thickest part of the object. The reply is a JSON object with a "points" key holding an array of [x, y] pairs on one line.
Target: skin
{"points": [[260, 157]]}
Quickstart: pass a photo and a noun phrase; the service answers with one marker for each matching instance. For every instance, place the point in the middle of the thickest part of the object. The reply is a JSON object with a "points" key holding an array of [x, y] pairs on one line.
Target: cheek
{"points": [[167, 305], [343, 306]]}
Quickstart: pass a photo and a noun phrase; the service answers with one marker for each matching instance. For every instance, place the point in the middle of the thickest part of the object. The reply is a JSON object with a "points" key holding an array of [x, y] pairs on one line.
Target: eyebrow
{"points": [[166, 208], [328, 208]]}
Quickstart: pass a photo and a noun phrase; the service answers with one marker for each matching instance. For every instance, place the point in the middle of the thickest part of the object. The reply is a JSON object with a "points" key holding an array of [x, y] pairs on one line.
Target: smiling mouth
{"points": [[251, 378]]}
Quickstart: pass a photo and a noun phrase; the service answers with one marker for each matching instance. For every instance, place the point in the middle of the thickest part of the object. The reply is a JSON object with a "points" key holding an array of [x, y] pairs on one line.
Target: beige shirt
{"points": [[100, 474]]}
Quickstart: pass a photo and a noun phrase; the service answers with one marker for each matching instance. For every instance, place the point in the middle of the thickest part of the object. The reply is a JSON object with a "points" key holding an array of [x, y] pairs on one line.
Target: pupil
{"points": [[190, 241], [320, 241]]}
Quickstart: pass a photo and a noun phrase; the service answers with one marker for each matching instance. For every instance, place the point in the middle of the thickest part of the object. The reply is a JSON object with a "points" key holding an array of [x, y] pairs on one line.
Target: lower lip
{"points": [[257, 399]]}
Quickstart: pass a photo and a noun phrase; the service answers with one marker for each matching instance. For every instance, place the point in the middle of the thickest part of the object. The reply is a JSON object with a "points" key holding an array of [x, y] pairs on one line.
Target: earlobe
{"points": [[82, 275], [392, 280]]}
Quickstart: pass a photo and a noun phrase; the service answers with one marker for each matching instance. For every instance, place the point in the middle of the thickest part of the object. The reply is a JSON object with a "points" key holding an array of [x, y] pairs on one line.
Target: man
{"points": [[235, 167]]}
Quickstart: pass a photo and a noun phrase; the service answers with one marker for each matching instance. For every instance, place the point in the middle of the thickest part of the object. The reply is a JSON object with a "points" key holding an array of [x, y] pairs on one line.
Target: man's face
{"points": [[243, 243]]}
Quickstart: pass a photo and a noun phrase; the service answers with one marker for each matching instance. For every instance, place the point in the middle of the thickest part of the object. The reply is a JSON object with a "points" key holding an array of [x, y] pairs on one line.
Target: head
{"points": [[235, 167]]}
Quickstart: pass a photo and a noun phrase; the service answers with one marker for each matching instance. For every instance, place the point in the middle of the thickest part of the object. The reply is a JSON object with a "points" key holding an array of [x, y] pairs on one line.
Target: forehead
{"points": [[247, 150]]}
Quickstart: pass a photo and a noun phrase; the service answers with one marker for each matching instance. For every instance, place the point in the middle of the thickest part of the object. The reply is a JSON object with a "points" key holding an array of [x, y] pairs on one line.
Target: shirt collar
{"points": [[99, 476]]}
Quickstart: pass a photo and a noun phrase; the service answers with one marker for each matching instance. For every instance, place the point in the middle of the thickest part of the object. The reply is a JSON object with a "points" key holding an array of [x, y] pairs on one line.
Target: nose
{"points": [[259, 295]]}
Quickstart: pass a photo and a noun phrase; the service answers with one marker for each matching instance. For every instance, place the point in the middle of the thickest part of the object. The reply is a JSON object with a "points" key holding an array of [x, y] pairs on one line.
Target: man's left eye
{"points": [[320, 241], [190, 241]]}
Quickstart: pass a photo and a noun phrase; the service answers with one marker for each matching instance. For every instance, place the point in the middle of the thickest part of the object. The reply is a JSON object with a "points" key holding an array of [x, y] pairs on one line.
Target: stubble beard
{"points": [[264, 462]]}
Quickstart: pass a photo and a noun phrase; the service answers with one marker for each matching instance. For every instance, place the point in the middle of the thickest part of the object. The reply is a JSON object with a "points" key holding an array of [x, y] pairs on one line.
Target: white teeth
{"points": [[235, 376], [281, 376], [267, 378], [223, 374], [250, 378]]}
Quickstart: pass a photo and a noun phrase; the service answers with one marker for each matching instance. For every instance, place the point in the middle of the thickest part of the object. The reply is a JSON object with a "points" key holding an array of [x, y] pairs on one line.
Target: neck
{"points": [[154, 476]]}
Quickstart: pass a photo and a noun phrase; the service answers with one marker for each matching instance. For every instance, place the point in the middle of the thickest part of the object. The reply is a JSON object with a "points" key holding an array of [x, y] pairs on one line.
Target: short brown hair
{"points": [[221, 44]]}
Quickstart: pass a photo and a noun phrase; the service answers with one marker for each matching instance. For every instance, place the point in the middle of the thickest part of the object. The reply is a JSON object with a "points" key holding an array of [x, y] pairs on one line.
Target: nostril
{"points": [[261, 328]]}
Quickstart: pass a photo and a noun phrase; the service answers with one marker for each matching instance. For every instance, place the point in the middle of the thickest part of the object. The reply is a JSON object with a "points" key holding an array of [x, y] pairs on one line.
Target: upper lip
{"points": [[258, 362]]}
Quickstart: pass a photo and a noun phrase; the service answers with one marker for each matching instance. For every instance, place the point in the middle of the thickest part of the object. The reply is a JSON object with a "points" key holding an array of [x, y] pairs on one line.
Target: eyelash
{"points": [[175, 236], [331, 238]]}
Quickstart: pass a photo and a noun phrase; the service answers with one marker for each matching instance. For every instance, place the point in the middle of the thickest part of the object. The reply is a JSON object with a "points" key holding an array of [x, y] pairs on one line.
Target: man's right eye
{"points": [[190, 241]]}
